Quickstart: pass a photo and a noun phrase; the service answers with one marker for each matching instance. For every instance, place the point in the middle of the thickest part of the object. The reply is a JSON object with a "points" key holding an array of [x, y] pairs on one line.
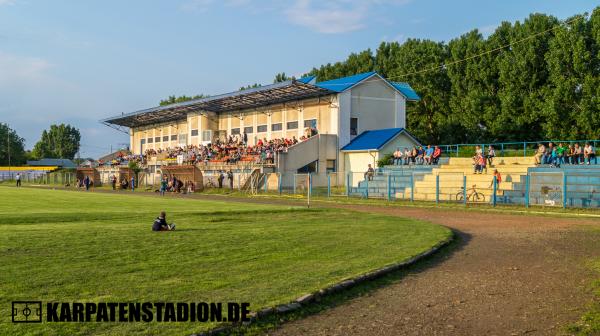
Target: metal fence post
{"points": [[294, 191], [310, 184], [527, 190], [328, 185], [412, 187], [495, 189], [502, 149], [348, 184], [437, 189], [456, 150], [465, 190], [524, 149], [367, 184], [564, 191], [389, 187]]}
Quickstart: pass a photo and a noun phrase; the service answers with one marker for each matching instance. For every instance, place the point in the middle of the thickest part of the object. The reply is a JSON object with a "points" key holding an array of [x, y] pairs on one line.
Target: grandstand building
{"points": [[339, 110]]}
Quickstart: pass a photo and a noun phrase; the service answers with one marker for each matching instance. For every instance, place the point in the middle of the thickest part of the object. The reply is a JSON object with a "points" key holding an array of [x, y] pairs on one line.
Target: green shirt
{"points": [[560, 150]]}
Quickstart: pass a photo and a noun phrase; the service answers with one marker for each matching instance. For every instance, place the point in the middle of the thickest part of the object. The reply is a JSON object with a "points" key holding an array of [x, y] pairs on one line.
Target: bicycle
{"points": [[473, 196]]}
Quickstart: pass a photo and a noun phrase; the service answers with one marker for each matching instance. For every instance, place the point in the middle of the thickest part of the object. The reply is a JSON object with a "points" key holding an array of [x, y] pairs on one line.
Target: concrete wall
{"points": [[401, 141]]}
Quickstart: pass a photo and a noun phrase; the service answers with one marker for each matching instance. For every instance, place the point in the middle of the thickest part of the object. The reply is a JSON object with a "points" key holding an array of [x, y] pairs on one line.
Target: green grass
{"points": [[589, 324], [68, 246]]}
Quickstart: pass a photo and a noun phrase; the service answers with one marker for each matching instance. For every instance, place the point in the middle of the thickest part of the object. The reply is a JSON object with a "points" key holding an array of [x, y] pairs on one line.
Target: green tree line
{"points": [[545, 85]]}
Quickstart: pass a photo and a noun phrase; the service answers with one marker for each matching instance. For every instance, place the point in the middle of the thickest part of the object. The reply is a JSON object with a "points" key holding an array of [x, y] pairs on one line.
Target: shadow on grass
{"points": [[272, 322]]}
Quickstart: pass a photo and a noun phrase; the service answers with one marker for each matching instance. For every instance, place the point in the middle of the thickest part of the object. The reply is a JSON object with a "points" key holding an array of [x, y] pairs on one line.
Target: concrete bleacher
{"points": [[546, 187]]}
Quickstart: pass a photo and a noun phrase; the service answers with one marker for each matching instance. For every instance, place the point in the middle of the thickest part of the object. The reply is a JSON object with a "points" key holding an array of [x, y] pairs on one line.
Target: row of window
{"points": [[290, 125]]}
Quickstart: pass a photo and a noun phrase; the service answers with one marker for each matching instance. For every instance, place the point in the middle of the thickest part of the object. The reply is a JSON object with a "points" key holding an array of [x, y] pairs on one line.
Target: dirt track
{"points": [[506, 275]]}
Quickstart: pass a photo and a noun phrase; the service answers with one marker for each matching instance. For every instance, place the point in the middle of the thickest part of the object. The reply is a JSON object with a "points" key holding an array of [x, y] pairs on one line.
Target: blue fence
{"points": [[525, 148]]}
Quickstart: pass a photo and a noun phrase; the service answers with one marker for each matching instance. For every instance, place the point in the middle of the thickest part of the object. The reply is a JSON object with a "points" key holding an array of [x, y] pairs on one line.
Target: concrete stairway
{"points": [[451, 179]]}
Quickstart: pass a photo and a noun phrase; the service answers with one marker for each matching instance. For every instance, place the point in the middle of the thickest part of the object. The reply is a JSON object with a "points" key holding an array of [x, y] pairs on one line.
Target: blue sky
{"points": [[81, 61]]}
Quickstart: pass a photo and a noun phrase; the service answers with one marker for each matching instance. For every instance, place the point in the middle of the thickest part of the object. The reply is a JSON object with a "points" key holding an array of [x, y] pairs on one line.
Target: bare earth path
{"points": [[507, 275]]}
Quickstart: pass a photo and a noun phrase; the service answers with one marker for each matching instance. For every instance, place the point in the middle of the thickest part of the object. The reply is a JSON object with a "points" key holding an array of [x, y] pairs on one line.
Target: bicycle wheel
{"points": [[479, 197], [460, 196]]}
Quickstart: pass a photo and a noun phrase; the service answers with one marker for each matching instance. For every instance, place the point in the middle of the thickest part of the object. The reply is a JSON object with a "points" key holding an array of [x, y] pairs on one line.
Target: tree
{"points": [[255, 85], [11, 146], [174, 99], [59, 142], [282, 77]]}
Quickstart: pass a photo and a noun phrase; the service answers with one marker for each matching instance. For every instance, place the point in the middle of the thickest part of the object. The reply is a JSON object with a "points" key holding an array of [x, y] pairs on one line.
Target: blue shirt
{"points": [[429, 151]]}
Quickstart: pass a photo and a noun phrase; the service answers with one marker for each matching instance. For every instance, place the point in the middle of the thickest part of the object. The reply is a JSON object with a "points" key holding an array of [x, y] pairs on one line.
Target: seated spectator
{"points": [[437, 153], [578, 154], [428, 154], [491, 154], [569, 154], [554, 158], [547, 157], [560, 153], [407, 156], [397, 157], [420, 155], [539, 154], [478, 163], [589, 153], [369, 173], [413, 155], [160, 223]]}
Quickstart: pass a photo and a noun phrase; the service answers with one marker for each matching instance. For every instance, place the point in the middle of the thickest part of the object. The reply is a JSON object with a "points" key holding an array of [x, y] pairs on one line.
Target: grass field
{"points": [[96, 247]]}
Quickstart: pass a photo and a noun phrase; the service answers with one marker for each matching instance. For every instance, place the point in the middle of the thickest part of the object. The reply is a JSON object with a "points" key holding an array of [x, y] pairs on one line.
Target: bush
{"points": [[386, 160]]}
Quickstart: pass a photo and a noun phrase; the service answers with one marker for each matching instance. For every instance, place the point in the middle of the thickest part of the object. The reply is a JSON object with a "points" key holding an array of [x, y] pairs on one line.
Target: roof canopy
{"points": [[240, 100], [375, 139]]}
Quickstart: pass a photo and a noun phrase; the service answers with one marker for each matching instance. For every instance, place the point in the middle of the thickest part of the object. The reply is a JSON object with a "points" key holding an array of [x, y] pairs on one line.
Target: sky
{"points": [[81, 61]]}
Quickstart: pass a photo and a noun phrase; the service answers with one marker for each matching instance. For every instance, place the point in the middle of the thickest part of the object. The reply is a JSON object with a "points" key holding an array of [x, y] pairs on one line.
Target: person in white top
{"points": [[589, 153], [397, 157]]}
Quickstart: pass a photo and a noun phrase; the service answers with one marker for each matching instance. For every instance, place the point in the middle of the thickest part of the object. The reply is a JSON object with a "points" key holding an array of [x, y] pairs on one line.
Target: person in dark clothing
{"points": [[113, 180], [230, 177], [220, 179], [160, 223], [86, 182]]}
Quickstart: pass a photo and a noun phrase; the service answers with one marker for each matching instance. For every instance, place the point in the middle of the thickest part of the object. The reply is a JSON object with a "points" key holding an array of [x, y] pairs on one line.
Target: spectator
{"points": [[437, 153], [164, 183], [420, 155], [547, 159], [428, 154], [113, 181], [589, 153], [554, 158], [18, 178], [540, 154], [560, 154], [578, 154], [132, 184], [413, 155], [478, 150], [86, 182], [407, 155], [369, 173], [220, 179], [570, 154], [397, 160], [491, 154], [230, 177], [498, 179], [478, 163], [160, 223]]}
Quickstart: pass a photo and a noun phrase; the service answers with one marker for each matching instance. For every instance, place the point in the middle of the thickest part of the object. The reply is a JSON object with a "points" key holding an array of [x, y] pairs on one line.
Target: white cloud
{"points": [[336, 16], [488, 30], [20, 70], [7, 2]]}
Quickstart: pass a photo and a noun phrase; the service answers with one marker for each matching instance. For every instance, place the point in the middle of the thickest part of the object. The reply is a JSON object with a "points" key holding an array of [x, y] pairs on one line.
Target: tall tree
{"points": [[11, 146], [59, 142], [174, 99], [282, 77]]}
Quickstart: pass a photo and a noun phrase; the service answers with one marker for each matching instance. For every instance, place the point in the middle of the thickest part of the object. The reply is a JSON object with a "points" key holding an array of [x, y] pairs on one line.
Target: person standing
{"points": [[132, 183], [163, 185], [86, 182], [230, 177], [114, 182], [220, 179], [18, 178]]}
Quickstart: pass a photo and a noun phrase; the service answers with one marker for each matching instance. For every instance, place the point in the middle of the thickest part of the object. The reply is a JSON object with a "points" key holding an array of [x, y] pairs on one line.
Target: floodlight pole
{"points": [[8, 148]]}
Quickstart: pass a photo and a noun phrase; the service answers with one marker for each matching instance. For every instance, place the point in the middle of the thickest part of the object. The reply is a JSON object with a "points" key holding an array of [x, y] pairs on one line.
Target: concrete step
{"points": [[497, 161]]}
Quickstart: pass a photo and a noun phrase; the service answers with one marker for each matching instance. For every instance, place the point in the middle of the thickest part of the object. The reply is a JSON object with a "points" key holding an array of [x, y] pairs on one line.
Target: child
{"points": [[160, 223], [498, 179]]}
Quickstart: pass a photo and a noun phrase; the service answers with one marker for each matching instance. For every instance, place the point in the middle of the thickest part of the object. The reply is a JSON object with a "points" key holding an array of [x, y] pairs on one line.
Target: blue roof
{"points": [[372, 140], [406, 90], [307, 79], [342, 84]]}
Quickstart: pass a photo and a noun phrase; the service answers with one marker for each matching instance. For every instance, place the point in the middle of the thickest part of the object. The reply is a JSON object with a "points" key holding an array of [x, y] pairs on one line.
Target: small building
{"points": [[370, 146]]}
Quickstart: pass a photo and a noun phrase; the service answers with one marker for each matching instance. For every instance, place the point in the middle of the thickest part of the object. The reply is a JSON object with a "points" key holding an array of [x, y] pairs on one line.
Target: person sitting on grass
{"points": [[160, 223]]}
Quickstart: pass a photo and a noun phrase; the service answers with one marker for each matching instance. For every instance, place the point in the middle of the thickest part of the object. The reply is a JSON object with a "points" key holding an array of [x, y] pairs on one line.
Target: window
{"points": [[310, 123], [143, 141], [157, 139], [261, 128], [353, 126], [235, 131], [276, 127], [292, 125], [174, 137], [183, 139], [248, 129], [207, 136], [150, 140], [195, 132], [165, 138]]}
